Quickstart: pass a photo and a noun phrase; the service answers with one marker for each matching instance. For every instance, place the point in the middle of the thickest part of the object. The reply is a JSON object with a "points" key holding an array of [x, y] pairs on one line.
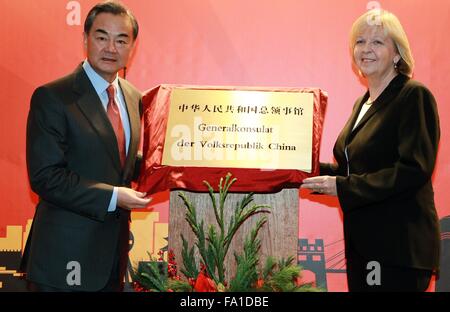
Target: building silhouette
{"points": [[311, 256], [10, 255]]}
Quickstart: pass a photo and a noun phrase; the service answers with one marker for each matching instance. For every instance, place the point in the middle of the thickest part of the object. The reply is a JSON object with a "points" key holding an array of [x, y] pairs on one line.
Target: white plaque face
{"points": [[240, 129]]}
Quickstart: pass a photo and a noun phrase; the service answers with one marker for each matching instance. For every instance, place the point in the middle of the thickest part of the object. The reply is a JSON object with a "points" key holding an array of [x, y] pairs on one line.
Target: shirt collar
{"points": [[97, 81]]}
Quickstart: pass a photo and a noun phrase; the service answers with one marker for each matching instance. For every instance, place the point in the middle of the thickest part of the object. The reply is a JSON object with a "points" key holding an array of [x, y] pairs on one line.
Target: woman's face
{"points": [[375, 53]]}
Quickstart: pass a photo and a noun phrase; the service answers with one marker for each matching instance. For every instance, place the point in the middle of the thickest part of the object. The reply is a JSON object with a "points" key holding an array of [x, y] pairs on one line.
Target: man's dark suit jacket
{"points": [[387, 199], [73, 164]]}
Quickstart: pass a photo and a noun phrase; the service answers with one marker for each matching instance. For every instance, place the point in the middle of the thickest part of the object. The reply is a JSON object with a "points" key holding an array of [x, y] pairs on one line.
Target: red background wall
{"points": [[301, 43]]}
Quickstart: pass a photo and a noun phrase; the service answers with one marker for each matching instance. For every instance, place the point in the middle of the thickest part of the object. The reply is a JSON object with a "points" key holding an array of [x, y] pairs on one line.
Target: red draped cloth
{"points": [[155, 177]]}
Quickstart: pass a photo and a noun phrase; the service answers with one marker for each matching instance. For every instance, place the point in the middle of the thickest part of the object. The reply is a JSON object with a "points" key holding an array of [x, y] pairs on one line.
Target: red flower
{"points": [[172, 266], [204, 284], [191, 282], [139, 288], [172, 270], [160, 254], [259, 283], [171, 255]]}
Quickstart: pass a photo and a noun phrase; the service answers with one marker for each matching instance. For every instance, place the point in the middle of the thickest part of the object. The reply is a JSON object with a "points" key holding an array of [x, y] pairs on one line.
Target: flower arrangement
{"points": [[213, 246]]}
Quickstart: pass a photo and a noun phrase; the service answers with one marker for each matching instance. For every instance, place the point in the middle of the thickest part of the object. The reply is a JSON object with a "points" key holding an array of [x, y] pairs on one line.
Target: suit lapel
{"points": [[92, 108], [383, 100], [134, 118], [347, 131]]}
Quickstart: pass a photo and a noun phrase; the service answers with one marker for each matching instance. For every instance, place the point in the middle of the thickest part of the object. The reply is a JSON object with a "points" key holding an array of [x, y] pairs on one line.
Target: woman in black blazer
{"points": [[385, 157]]}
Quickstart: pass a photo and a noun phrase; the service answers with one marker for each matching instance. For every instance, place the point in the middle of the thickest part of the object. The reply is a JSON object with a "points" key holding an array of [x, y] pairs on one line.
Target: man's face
{"points": [[109, 44]]}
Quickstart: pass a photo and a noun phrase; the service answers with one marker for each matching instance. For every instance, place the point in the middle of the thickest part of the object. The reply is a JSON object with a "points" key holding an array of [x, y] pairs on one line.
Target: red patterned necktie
{"points": [[113, 113]]}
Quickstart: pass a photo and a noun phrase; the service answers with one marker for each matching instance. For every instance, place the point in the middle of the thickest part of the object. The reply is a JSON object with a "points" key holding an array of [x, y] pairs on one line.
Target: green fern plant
{"points": [[246, 271], [190, 269], [281, 276], [151, 275], [213, 246]]}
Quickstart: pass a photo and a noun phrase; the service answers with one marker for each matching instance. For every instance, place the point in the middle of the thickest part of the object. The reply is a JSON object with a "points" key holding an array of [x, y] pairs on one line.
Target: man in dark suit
{"points": [[82, 141]]}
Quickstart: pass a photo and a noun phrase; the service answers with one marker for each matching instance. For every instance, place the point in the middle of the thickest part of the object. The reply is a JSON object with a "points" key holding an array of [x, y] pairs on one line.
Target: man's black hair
{"points": [[113, 7]]}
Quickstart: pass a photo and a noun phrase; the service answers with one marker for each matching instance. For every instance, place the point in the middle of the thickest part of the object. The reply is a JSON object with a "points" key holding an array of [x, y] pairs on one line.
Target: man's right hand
{"points": [[128, 198]]}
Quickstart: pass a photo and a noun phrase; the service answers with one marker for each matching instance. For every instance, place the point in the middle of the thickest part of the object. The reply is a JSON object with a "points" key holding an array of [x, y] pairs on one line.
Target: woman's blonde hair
{"points": [[393, 29]]}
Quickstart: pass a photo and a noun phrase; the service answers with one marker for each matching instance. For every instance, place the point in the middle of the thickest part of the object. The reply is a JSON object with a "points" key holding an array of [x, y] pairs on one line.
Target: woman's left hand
{"points": [[321, 184]]}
